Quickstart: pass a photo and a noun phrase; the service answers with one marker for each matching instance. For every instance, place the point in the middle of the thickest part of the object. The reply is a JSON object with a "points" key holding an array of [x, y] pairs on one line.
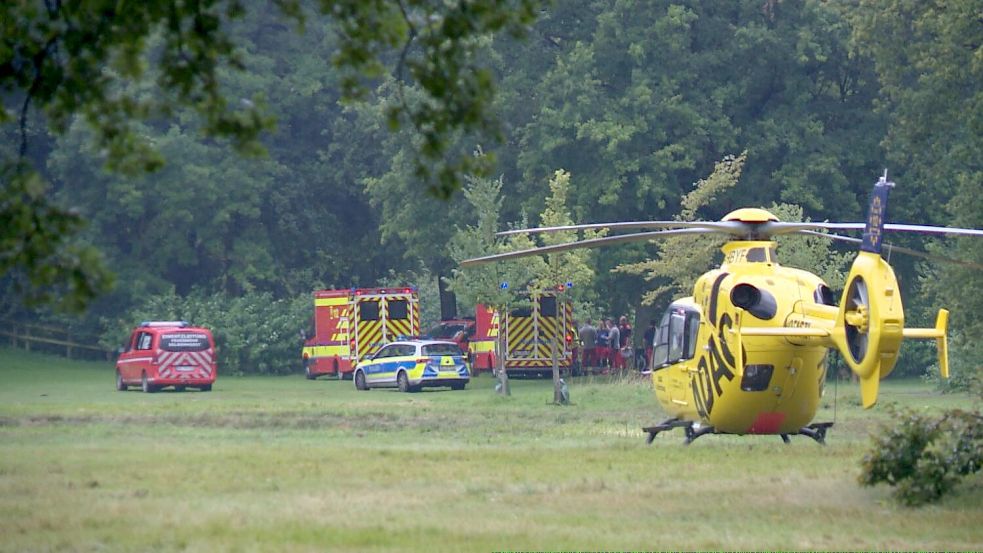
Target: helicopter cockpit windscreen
{"points": [[675, 340]]}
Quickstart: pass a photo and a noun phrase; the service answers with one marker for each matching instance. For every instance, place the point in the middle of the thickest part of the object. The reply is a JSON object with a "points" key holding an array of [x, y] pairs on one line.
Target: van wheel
{"points": [[145, 385], [402, 382], [205, 388], [120, 385], [360, 383]]}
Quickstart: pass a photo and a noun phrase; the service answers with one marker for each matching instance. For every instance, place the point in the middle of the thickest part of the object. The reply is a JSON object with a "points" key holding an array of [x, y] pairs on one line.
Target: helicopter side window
{"points": [[660, 351], [675, 339]]}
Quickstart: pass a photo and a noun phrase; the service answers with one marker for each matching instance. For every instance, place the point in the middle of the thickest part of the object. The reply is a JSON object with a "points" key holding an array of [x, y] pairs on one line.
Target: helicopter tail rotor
{"points": [[870, 323]]}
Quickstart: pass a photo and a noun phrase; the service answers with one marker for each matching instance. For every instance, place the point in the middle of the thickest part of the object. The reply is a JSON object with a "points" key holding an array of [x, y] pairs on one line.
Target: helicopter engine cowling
{"points": [[758, 302], [870, 323]]}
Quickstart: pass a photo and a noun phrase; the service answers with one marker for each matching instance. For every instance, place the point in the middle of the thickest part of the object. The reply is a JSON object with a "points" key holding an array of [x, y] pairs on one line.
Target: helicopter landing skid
{"points": [[692, 430], [816, 431]]}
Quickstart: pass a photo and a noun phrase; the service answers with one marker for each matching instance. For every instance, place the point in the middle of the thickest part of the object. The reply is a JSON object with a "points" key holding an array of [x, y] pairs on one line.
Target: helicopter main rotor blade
{"points": [[729, 227], [592, 243], [786, 228], [900, 249]]}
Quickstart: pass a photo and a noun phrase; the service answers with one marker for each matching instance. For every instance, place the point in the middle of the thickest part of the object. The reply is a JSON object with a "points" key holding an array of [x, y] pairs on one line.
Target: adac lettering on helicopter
{"points": [[717, 360]]}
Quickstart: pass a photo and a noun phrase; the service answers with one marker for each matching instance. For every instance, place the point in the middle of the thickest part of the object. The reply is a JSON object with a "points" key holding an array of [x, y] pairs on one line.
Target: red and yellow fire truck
{"points": [[530, 332], [352, 324]]}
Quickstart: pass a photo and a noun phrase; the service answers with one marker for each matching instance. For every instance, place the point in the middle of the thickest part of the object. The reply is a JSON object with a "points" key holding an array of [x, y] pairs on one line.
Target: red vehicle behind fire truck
{"points": [[530, 333], [459, 331], [352, 324]]}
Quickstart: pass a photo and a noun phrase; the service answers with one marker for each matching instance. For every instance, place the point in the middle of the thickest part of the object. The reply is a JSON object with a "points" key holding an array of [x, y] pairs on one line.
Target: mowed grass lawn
{"points": [[286, 464]]}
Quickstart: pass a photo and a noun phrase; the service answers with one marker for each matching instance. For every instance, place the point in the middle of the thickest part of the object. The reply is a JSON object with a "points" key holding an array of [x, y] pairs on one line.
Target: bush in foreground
{"points": [[924, 456]]}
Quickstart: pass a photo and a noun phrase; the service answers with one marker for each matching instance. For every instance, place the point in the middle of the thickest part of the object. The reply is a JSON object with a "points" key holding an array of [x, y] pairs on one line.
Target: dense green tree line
{"points": [[636, 101]]}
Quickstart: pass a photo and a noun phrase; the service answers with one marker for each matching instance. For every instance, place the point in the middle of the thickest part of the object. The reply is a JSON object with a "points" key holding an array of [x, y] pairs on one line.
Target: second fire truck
{"points": [[531, 332]]}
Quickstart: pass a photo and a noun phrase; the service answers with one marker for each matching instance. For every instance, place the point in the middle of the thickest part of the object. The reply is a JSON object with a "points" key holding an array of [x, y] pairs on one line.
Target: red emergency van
{"points": [[167, 353]]}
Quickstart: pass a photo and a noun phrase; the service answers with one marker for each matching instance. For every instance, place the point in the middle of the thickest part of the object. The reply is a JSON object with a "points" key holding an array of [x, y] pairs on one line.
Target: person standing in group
{"points": [[649, 338], [624, 345], [588, 338], [614, 342], [601, 344]]}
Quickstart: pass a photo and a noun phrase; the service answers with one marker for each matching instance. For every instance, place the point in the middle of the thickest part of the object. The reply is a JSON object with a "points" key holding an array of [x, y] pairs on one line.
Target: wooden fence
{"points": [[52, 339]]}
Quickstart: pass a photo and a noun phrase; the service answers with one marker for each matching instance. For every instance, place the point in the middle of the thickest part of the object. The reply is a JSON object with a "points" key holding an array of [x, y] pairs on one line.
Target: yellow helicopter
{"points": [[747, 352]]}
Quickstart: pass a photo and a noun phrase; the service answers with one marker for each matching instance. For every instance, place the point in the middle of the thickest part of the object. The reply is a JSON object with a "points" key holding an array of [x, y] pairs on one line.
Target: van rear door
{"points": [[185, 354]]}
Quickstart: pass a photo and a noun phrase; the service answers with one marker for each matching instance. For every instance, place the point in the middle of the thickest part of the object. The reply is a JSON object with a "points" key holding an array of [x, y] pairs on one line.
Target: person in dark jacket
{"points": [[649, 338]]}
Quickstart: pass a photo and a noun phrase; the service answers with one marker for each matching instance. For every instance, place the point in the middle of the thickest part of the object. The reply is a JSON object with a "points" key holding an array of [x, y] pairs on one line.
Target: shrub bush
{"points": [[254, 333], [923, 457]]}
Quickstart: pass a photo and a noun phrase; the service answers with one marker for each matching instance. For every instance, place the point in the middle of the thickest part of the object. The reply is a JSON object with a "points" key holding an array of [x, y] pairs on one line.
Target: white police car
{"points": [[409, 365]]}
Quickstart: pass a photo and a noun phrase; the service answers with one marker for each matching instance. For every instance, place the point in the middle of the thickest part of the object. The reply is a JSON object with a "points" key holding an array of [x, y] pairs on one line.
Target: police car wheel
{"points": [[458, 385], [403, 382], [360, 383]]}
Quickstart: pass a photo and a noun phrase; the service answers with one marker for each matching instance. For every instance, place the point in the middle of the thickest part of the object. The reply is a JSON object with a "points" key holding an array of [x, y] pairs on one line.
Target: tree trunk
{"points": [[448, 301], [503, 375], [557, 393]]}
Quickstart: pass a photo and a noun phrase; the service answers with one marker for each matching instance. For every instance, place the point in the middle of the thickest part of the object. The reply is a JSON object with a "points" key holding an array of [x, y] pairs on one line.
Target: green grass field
{"points": [[285, 464]]}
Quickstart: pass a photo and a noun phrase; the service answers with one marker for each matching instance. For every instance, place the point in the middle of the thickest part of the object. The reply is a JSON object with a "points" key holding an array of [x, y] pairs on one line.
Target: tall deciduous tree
{"points": [[73, 59], [929, 58], [500, 286], [640, 100], [679, 260], [570, 271]]}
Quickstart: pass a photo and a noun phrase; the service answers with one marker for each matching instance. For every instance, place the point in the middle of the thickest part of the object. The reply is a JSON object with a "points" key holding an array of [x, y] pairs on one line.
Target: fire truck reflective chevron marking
{"points": [[398, 328], [184, 358], [548, 333], [520, 333], [186, 365], [369, 335]]}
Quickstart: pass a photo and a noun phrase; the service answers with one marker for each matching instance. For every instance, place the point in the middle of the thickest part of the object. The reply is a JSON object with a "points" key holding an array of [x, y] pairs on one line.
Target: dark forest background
{"points": [[637, 100]]}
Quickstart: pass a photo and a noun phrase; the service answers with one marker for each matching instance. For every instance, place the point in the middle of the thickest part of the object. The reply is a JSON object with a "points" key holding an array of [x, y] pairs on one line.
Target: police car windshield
{"points": [[445, 330], [441, 349], [184, 341]]}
